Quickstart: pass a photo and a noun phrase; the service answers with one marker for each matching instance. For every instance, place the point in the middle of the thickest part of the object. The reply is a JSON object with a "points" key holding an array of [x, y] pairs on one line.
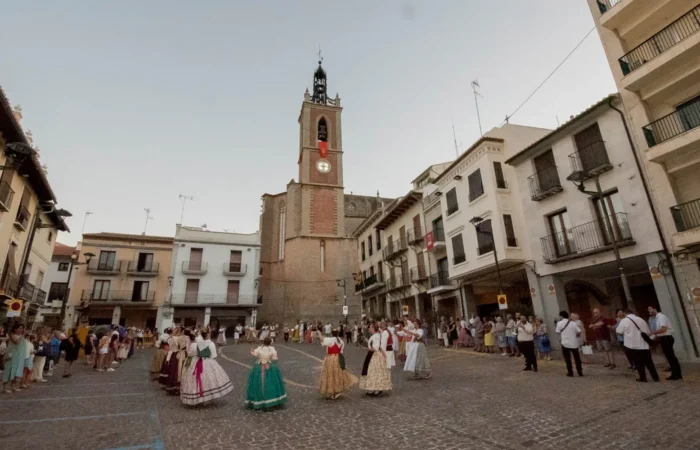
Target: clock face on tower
{"points": [[323, 166]]}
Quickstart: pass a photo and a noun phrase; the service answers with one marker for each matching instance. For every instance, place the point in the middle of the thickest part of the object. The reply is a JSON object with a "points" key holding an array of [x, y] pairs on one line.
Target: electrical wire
{"points": [[548, 76]]}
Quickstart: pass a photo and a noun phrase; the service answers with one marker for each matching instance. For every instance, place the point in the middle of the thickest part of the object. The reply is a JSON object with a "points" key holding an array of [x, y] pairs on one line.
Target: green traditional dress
{"points": [[265, 383]]}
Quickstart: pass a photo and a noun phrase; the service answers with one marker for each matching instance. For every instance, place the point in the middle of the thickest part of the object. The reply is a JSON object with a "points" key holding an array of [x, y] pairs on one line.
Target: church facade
{"points": [[308, 257]]}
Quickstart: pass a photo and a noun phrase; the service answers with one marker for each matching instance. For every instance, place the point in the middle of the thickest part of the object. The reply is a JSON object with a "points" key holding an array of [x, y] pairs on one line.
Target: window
{"points": [[195, 262], [145, 262], [611, 206], [49, 238], [282, 232], [510, 231], [380, 272], [484, 237], [362, 246], [232, 292], [371, 271], [140, 291], [323, 256], [192, 291], [452, 205], [438, 230], [23, 214], [100, 290], [63, 267], [57, 291], [563, 239], [107, 260], [369, 245], [458, 249], [234, 261], [498, 171], [591, 149], [379, 240], [547, 175], [476, 187]]}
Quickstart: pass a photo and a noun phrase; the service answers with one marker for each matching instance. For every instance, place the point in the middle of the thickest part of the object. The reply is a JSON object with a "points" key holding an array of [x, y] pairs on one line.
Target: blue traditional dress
{"points": [[203, 379], [265, 383]]}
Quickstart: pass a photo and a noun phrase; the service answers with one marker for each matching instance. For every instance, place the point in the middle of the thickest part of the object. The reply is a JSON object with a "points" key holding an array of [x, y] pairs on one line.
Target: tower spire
{"points": [[320, 86]]}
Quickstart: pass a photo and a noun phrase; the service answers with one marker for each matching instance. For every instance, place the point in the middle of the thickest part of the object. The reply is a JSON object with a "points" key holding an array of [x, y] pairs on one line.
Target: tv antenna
{"points": [[87, 213], [184, 199], [475, 84], [148, 217]]}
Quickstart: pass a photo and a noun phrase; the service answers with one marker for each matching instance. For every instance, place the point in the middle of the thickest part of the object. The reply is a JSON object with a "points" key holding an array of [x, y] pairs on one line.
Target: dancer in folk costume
{"points": [[265, 383], [387, 342], [295, 334], [158, 357], [406, 334], [417, 361], [203, 379], [172, 349], [335, 378], [302, 330], [376, 377], [273, 332], [178, 353], [237, 333], [221, 338], [264, 332]]}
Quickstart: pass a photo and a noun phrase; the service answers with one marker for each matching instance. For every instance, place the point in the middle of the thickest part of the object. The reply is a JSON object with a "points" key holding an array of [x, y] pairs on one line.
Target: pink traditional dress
{"points": [[203, 379]]}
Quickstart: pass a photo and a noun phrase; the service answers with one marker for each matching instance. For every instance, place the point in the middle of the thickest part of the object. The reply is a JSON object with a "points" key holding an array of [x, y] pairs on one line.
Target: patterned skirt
{"points": [[157, 363], [265, 387], [378, 376], [422, 361], [214, 382], [172, 383], [335, 380]]}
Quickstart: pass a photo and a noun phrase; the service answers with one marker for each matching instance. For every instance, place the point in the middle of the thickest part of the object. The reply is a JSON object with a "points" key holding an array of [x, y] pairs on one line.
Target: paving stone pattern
{"points": [[472, 402]]}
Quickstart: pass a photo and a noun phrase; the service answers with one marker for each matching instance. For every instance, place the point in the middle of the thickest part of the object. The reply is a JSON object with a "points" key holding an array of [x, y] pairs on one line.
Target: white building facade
{"points": [[56, 284], [214, 279]]}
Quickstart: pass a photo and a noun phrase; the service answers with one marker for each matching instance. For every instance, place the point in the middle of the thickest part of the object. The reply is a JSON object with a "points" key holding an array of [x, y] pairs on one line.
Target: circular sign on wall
{"points": [[551, 289], [533, 291]]}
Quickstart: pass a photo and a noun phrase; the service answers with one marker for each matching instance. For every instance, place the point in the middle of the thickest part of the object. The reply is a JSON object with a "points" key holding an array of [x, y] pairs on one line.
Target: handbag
{"points": [[587, 349], [645, 336], [341, 360]]}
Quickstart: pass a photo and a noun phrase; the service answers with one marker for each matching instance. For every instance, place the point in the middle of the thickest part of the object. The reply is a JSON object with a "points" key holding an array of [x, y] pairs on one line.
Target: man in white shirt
{"points": [[631, 328], [526, 343], [664, 334], [569, 332], [327, 329]]}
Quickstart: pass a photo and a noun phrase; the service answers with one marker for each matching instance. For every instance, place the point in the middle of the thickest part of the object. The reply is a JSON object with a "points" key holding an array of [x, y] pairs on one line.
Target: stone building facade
{"points": [[308, 258]]}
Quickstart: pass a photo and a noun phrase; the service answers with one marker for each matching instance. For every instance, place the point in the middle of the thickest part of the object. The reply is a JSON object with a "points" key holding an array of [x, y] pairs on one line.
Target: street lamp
{"points": [[476, 221], [579, 177], [73, 262]]}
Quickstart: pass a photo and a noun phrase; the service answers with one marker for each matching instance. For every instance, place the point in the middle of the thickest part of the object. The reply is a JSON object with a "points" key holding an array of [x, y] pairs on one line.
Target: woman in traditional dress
{"points": [[158, 358], [264, 332], [203, 379], [16, 351], [376, 377], [177, 361], [221, 338], [295, 334], [308, 335], [273, 332], [419, 362], [462, 340], [335, 378], [237, 333], [265, 383]]}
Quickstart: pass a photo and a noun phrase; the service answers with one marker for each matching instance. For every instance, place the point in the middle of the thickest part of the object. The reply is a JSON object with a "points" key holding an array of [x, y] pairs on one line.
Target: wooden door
{"points": [[417, 232], [232, 292], [195, 259]]}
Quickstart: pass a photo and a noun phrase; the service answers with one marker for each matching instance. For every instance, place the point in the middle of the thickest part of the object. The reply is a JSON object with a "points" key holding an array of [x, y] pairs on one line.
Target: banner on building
{"points": [[323, 149], [502, 301], [14, 307], [429, 240]]}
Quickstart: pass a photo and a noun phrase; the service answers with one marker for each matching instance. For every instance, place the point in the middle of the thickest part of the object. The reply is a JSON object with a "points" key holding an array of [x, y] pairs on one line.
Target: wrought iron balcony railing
{"points": [[367, 282], [8, 285], [441, 278], [40, 296], [418, 273], [678, 122], [438, 234], [414, 235], [687, 25], [104, 267], [194, 267], [544, 183], [584, 239], [686, 215], [393, 248], [235, 268], [192, 298], [26, 291], [6, 196], [118, 296], [134, 267], [22, 219], [591, 160]]}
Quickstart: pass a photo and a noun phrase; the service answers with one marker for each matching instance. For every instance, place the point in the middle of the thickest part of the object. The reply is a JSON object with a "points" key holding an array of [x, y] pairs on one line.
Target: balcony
{"points": [[40, 296], [687, 219], [235, 269], [682, 120], [142, 269], [195, 298], [590, 161], [394, 248], [662, 41], [439, 282], [587, 239], [605, 5], [418, 274], [414, 235], [438, 238], [26, 292], [369, 284], [22, 219], [194, 267], [104, 267], [544, 183], [432, 199], [6, 196], [118, 296], [393, 283], [8, 286]]}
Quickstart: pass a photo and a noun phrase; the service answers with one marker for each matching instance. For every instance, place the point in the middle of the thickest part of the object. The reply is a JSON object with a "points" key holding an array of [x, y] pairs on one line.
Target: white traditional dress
{"points": [[388, 347], [376, 377], [221, 338], [264, 332], [237, 332], [203, 379], [410, 365]]}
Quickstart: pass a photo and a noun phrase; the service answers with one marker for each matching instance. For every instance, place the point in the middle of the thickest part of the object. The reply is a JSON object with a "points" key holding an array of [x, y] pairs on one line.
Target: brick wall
{"points": [[325, 178], [324, 211]]}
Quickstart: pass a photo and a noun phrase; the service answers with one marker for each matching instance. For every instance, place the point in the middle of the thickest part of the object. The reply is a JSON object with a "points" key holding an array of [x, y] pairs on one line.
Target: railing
{"points": [[587, 238], [440, 278], [104, 266], [686, 215], [414, 235], [590, 160], [678, 122], [149, 268], [194, 298], [236, 268], [6, 195], [544, 183], [605, 5], [484, 249], [685, 26], [8, 285], [23, 216], [118, 296], [438, 234], [40, 296], [418, 273], [26, 291], [194, 266], [393, 248], [430, 199], [367, 282], [395, 282], [459, 259]]}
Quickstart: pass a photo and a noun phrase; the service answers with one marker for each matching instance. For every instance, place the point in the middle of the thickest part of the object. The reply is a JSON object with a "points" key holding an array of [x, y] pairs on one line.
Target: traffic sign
{"points": [[14, 307], [345, 310], [502, 301]]}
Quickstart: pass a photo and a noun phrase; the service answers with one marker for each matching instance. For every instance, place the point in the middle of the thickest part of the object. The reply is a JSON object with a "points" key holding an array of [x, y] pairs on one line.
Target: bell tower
{"points": [[321, 160]]}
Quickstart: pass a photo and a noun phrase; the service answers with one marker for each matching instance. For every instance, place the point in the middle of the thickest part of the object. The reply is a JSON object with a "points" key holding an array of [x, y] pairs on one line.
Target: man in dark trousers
{"points": [[664, 335], [569, 332], [634, 329]]}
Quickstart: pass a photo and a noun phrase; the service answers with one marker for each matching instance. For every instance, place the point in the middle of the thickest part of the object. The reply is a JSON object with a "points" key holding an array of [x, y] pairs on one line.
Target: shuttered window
{"points": [[452, 205], [498, 171], [476, 187], [510, 231], [484, 237], [458, 249]]}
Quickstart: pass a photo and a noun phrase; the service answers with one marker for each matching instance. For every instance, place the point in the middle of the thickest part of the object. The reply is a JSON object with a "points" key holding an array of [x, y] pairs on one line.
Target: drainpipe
{"points": [[666, 253]]}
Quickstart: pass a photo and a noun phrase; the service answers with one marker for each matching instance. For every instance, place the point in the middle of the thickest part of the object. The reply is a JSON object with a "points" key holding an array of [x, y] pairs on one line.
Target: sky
{"points": [[134, 103]]}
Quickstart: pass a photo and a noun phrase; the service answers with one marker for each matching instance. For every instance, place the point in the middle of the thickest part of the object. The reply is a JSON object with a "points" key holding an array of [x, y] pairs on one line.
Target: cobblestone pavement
{"points": [[473, 401]]}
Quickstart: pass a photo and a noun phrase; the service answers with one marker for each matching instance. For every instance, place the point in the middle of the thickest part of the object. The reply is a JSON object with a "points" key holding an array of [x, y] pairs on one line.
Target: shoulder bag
{"points": [[645, 336]]}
